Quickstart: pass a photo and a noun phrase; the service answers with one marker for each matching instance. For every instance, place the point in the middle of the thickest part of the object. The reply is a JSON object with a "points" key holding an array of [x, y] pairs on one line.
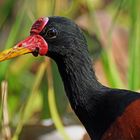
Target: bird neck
{"points": [[80, 83], [79, 78]]}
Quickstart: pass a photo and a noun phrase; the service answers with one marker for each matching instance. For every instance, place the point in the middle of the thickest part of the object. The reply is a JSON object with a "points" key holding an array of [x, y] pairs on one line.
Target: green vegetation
{"points": [[113, 33]]}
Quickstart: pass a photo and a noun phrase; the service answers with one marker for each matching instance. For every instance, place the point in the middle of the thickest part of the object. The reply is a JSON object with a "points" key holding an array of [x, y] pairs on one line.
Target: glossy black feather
{"points": [[96, 106]]}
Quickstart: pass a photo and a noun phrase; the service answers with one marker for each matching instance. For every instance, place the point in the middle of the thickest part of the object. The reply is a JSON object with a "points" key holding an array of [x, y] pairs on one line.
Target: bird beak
{"points": [[34, 44]]}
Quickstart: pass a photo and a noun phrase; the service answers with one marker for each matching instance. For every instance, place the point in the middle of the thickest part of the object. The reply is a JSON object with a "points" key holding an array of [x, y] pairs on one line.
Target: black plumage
{"points": [[95, 105]]}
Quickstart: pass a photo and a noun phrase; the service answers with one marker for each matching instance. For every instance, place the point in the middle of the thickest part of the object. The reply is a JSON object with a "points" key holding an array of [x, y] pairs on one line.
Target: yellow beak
{"points": [[13, 52]]}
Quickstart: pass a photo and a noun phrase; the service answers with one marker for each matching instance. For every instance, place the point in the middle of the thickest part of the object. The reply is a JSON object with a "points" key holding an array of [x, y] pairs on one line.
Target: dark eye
{"points": [[52, 33]]}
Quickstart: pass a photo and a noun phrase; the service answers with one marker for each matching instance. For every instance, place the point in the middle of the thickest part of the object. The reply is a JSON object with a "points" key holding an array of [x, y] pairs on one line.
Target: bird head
{"points": [[49, 36]]}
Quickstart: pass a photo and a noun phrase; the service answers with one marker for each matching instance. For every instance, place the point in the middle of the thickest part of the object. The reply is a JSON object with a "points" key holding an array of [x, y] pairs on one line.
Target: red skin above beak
{"points": [[34, 44]]}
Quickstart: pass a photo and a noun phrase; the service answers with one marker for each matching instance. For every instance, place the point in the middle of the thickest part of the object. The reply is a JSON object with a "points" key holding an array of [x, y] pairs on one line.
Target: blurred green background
{"points": [[35, 90]]}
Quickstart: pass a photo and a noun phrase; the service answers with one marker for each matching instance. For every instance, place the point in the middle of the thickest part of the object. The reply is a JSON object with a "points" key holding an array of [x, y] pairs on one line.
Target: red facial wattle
{"points": [[36, 41], [38, 26]]}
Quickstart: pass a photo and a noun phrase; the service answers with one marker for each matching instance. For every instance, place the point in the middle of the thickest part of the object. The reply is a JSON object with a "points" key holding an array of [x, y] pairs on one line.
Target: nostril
{"points": [[36, 52]]}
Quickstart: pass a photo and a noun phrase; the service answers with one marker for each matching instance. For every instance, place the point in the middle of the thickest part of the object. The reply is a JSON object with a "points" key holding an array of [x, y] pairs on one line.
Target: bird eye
{"points": [[52, 33]]}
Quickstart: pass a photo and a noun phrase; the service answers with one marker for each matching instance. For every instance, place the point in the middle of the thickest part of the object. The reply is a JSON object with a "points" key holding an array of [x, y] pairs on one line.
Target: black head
{"points": [[52, 36], [63, 37]]}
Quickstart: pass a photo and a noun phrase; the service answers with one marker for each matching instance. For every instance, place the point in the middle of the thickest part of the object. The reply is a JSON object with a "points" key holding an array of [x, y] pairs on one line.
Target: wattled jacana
{"points": [[106, 113]]}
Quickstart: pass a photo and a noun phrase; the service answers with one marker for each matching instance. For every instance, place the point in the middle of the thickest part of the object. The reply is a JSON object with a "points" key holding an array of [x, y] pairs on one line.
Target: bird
{"points": [[106, 113]]}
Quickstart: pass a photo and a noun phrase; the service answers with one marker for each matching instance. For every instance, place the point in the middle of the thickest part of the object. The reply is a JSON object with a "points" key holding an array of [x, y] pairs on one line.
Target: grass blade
{"points": [[111, 71], [6, 132], [134, 47], [27, 109]]}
